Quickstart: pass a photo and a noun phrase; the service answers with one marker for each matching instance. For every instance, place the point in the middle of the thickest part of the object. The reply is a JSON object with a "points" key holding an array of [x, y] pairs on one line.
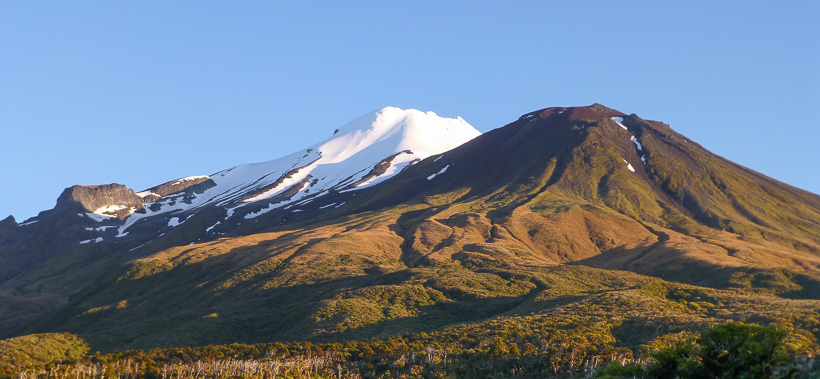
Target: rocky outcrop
{"points": [[278, 182], [380, 168], [8, 229], [177, 185], [93, 198]]}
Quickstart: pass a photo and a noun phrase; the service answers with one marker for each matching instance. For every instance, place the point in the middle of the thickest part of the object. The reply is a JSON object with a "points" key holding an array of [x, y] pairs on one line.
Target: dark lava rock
{"points": [[94, 197], [177, 185]]}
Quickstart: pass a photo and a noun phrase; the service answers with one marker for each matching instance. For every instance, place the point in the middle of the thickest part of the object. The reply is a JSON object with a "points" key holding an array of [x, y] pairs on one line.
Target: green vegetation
{"points": [[525, 350], [514, 322], [38, 351], [726, 351]]}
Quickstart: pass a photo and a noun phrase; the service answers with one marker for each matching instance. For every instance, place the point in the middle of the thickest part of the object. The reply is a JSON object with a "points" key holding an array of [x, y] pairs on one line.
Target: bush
{"points": [[723, 352]]}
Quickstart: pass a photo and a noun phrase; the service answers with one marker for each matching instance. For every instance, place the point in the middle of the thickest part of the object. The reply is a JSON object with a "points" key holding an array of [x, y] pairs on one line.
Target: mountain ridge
{"points": [[359, 154]]}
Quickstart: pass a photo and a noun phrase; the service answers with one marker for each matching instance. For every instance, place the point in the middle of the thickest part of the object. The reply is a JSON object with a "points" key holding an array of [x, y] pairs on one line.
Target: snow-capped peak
{"points": [[395, 130], [392, 137], [361, 153]]}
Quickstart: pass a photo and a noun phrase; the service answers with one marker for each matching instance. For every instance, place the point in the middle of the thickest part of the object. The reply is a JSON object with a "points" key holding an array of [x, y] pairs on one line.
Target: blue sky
{"points": [[139, 93]]}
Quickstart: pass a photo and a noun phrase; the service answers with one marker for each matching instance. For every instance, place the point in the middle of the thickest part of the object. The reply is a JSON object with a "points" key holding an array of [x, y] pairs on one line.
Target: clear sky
{"points": [[143, 92]]}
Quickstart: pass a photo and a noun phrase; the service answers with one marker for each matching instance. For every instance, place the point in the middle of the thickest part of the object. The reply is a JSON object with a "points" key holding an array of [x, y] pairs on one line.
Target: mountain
{"points": [[592, 184], [565, 211], [362, 153]]}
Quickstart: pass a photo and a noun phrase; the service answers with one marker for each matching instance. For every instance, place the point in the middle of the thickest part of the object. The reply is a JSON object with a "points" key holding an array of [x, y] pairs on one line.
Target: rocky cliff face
{"points": [[9, 230], [117, 200], [177, 185], [96, 198]]}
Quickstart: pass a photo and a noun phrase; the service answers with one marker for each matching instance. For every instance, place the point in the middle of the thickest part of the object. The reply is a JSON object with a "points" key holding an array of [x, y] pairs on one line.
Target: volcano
{"points": [[406, 222]]}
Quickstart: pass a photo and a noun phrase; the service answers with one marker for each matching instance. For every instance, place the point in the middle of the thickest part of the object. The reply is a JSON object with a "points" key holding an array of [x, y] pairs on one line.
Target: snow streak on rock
{"points": [[438, 173]]}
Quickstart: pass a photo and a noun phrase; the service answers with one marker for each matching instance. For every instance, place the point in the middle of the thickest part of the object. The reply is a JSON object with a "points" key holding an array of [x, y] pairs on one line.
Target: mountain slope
{"points": [[360, 154], [581, 167], [518, 220]]}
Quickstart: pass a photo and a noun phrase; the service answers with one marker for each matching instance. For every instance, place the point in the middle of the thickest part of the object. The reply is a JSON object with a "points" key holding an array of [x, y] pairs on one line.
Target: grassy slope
{"points": [[384, 274]]}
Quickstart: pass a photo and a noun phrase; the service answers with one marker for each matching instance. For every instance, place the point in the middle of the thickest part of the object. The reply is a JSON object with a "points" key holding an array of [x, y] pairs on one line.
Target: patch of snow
{"points": [[343, 203], [188, 178], [296, 210], [637, 144], [643, 159], [142, 245], [619, 120], [171, 203], [80, 214], [95, 240], [628, 165], [439, 157], [33, 221], [109, 208], [327, 206], [208, 229], [259, 212], [100, 229], [438, 173], [174, 221], [143, 194], [97, 217], [311, 199]]}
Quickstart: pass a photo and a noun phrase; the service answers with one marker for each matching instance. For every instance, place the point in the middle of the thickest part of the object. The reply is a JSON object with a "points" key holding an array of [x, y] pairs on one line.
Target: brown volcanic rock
{"points": [[278, 182], [177, 185], [95, 197], [380, 168], [290, 191]]}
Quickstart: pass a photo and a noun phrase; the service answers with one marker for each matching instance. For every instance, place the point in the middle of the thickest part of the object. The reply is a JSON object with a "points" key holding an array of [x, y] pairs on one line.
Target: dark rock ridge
{"points": [[379, 169], [290, 192], [174, 186], [95, 197], [277, 183], [8, 229]]}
